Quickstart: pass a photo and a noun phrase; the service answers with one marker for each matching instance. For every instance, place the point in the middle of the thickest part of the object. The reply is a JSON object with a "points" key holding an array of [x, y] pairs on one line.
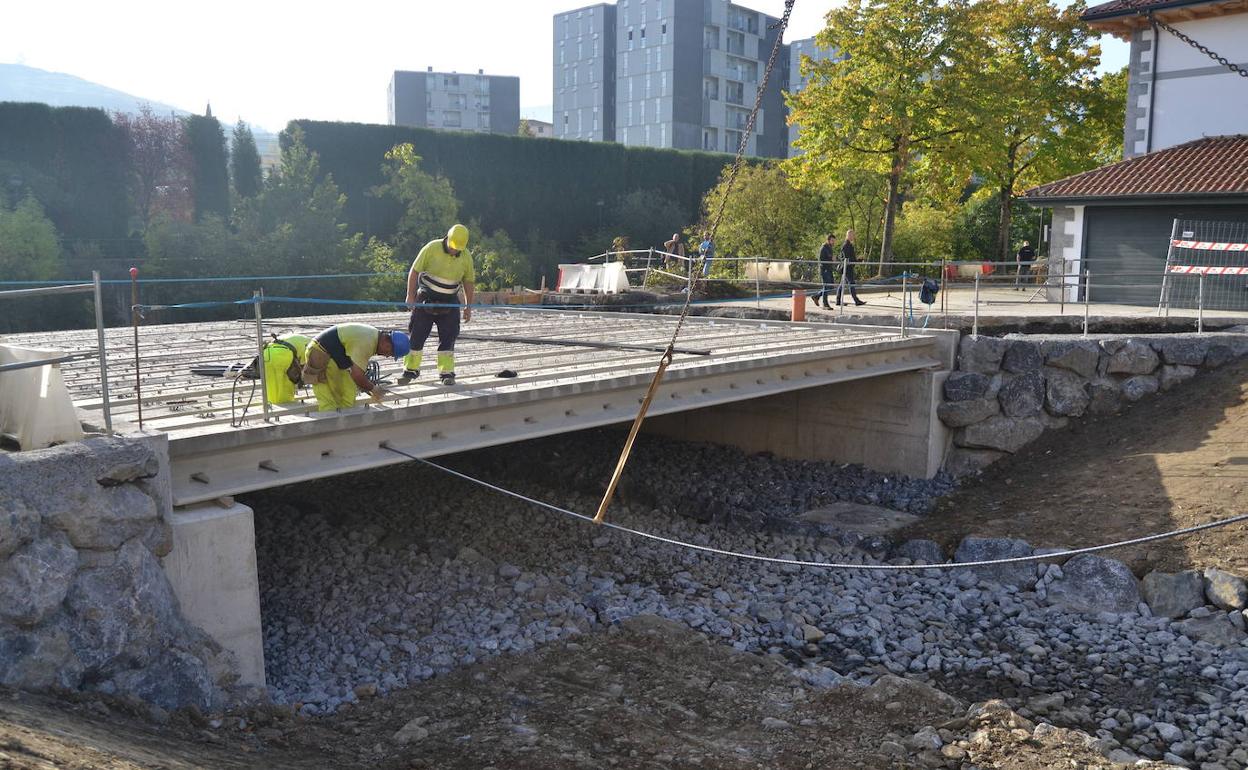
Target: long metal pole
{"points": [[975, 321], [99, 335], [1164, 298], [264, 382], [758, 292], [904, 297], [134, 321], [1087, 281], [944, 313], [1200, 306]]}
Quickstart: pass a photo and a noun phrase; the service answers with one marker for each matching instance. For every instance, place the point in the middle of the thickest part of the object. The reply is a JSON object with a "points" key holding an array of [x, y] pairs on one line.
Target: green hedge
{"points": [[519, 184], [80, 154]]}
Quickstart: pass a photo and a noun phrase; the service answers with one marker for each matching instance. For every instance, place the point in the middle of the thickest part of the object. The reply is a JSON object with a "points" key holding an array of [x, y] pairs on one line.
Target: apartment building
{"points": [[809, 49], [668, 73], [455, 102]]}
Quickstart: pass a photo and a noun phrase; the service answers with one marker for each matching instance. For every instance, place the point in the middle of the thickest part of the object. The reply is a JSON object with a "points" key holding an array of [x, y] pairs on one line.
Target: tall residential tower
{"points": [[455, 102]]}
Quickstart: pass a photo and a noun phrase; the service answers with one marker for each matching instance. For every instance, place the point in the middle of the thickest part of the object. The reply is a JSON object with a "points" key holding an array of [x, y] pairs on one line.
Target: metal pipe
{"points": [[758, 293], [264, 383], [975, 322], [944, 311], [13, 367], [78, 288], [905, 291], [134, 321], [99, 333], [1087, 277], [1200, 305]]}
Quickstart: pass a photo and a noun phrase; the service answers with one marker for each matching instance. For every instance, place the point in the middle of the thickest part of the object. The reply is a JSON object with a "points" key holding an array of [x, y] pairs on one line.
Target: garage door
{"points": [[1126, 251]]}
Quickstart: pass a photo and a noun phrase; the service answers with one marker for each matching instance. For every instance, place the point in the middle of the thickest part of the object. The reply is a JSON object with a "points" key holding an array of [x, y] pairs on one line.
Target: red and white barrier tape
{"points": [[1206, 270], [1209, 245]]}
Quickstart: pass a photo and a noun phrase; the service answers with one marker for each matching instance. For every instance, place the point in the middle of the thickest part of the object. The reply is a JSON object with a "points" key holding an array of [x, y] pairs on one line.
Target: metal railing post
{"points": [[99, 335], [1200, 306], [905, 290], [975, 320], [134, 321], [1087, 292], [264, 384], [1061, 288], [944, 313], [649, 258], [758, 291], [840, 290]]}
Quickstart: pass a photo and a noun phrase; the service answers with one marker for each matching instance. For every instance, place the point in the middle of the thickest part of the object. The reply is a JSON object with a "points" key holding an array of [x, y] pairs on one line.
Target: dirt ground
{"points": [[1171, 461], [649, 694]]}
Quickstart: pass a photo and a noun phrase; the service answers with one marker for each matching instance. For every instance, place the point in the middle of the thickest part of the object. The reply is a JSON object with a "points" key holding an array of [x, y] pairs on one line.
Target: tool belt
{"points": [[434, 303], [318, 362]]}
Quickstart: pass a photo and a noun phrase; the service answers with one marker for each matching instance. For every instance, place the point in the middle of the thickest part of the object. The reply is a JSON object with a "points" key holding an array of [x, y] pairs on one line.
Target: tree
{"points": [[498, 261], [526, 129], [210, 181], [245, 162], [902, 87], [159, 164], [29, 250], [646, 217], [766, 215], [429, 202], [1039, 91]]}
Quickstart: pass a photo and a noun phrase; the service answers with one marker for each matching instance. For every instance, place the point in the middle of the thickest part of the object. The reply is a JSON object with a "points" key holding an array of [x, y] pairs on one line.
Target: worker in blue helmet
{"points": [[337, 360]]}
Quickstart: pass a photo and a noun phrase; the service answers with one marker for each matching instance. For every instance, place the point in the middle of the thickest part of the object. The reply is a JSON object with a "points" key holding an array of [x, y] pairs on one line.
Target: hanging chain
{"points": [[1219, 59]]}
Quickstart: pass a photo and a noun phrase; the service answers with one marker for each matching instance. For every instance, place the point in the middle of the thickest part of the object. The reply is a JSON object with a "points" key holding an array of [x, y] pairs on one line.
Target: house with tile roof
{"points": [[1185, 148]]}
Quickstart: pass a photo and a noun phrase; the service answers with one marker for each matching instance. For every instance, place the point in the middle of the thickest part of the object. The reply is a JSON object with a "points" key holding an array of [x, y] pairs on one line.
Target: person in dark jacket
{"points": [[1026, 255], [827, 271], [849, 257]]}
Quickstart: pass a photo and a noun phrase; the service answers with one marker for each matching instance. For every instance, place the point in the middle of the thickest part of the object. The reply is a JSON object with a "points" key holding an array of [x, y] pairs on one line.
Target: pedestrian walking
{"points": [[827, 271], [848, 258], [1024, 259]]}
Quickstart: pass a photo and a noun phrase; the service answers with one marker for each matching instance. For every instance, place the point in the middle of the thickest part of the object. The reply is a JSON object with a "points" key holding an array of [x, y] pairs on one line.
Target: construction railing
{"points": [[100, 352]]}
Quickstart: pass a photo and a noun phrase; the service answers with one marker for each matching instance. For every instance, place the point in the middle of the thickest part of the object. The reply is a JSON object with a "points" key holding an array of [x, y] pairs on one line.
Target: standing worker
{"points": [[848, 257], [284, 358], [433, 285], [338, 357], [827, 271], [1026, 255]]}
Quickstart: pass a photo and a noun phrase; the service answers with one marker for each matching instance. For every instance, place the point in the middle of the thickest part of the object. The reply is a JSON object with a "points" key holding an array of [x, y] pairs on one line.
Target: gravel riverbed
{"points": [[382, 579]]}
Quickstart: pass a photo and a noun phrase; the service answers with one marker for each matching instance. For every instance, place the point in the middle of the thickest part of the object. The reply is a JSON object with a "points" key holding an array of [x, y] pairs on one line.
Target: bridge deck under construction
{"points": [[216, 450]]}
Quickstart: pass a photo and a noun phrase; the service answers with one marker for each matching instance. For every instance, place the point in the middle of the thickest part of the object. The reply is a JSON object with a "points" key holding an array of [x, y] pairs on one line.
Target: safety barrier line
{"points": [[819, 564], [216, 279]]}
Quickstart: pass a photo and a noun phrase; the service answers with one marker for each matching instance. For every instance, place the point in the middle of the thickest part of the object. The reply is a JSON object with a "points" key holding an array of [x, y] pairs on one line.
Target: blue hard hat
{"points": [[402, 345]]}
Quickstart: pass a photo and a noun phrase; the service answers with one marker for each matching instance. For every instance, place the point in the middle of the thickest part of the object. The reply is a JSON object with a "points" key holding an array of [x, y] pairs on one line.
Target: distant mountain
{"points": [[19, 83]]}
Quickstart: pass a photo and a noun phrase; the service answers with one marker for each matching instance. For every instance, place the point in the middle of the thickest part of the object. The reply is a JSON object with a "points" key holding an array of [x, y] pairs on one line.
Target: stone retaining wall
{"points": [[1007, 391], [84, 603]]}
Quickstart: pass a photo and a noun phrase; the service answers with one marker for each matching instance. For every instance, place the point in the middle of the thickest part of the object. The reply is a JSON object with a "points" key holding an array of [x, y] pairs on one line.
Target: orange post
{"points": [[799, 305]]}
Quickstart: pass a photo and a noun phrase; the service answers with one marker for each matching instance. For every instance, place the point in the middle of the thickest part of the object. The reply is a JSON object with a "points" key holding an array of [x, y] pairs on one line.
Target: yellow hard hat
{"points": [[457, 237]]}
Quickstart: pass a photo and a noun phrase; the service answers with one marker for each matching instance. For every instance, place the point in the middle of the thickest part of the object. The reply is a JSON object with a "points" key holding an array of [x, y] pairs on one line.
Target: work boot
{"points": [[447, 378], [408, 375], [826, 306], [859, 302]]}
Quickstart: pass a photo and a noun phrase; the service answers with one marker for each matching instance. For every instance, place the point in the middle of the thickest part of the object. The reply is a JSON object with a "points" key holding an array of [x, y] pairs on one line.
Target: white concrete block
{"points": [[213, 571]]}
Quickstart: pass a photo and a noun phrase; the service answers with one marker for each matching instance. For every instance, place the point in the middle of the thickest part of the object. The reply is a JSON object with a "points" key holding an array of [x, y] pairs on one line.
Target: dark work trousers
{"points": [[828, 276], [423, 321], [849, 281]]}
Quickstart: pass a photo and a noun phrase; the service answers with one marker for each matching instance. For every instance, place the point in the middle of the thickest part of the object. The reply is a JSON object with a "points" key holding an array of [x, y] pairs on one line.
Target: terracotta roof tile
{"points": [[1120, 7], [1215, 165]]}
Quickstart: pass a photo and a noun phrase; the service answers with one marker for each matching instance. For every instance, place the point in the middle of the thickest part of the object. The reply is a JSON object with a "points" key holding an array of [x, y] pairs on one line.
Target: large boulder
{"points": [[1022, 356], [1105, 398], [108, 518], [1095, 584], [1225, 590], [1181, 350], [35, 580], [1001, 433], [174, 679], [981, 354], [1023, 396], [37, 660], [1218, 355], [920, 552], [968, 386], [19, 523], [961, 462], [895, 689], [959, 414], [1139, 386], [1065, 394], [1216, 630], [974, 549], [1131, 357], [123, 613], [1173, 595], [1078, 356], [1172, 374]]}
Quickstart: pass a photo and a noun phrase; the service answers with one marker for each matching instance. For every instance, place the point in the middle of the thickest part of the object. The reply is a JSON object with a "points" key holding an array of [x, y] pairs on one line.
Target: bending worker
{"points": [[284, 358], [433, 284], [337, 358]]}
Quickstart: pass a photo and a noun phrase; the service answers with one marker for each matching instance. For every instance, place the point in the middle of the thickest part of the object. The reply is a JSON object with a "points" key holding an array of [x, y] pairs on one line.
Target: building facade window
{"points": [[710, 88]]}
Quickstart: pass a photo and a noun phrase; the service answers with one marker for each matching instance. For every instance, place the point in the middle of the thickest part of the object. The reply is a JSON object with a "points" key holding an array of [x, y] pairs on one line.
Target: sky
{"points": [[271, 61]]}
